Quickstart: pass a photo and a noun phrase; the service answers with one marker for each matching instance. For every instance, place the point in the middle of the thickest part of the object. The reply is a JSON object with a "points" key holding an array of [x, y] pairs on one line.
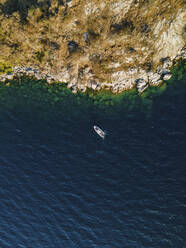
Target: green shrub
{"points": [[5, 67]]}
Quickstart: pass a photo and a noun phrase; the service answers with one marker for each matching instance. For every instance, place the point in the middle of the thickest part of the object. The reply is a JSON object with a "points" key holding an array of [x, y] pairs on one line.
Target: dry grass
{"points": [[42, 39]]}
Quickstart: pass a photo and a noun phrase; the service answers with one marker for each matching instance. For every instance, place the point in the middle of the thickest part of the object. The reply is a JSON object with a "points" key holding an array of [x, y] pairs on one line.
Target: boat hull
{"points": [[100, 132]]}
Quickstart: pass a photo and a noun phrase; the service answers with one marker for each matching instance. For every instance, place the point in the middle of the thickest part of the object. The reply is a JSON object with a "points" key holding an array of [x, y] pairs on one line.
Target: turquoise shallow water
{"points": [[62, 186]]}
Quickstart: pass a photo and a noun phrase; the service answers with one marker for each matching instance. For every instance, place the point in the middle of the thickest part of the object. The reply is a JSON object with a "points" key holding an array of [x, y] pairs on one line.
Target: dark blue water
{"points": [[62, 186]]}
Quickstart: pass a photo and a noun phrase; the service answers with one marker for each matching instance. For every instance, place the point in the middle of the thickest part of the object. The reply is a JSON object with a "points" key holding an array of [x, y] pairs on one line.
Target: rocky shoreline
{"points": [[125, 80], [114, 45]]}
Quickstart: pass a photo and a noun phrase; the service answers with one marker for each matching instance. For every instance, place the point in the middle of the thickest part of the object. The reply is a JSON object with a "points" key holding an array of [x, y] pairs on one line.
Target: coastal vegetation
{"points": [[5, 67]]}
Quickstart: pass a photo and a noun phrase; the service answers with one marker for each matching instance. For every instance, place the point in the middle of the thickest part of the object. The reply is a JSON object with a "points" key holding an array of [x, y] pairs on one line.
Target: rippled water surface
{"points": [[62, 186]]}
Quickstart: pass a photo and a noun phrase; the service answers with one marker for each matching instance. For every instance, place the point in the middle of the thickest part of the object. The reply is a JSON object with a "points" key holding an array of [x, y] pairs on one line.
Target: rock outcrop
{"points": [[116, 44]]}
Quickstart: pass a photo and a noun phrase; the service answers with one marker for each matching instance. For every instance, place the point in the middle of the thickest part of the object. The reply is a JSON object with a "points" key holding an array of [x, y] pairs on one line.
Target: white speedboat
{"points": [[99, 132]]}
